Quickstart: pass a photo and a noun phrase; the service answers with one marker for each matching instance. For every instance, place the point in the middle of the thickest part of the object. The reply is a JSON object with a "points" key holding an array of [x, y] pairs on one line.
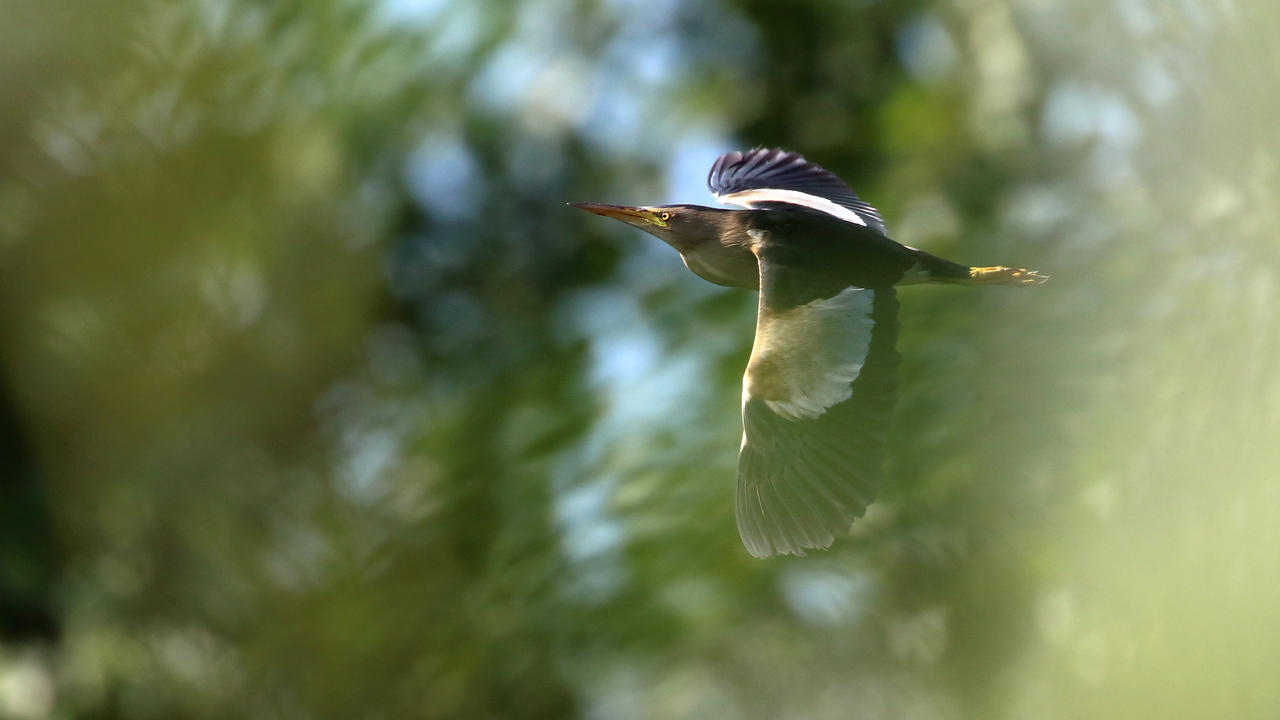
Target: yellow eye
{"points": [[664, 216]]}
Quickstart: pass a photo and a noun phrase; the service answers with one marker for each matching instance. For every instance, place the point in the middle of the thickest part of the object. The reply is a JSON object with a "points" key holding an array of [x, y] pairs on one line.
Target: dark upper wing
{"points": [[816, 402], [762, 177]]}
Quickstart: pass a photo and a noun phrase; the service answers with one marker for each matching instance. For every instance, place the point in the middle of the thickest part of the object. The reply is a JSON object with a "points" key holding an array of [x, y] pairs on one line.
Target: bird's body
{"points": [[820, 385]]}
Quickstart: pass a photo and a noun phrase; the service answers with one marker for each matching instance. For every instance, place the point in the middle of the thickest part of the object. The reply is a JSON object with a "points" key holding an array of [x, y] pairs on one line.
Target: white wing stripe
{"points": [[749, 198]]}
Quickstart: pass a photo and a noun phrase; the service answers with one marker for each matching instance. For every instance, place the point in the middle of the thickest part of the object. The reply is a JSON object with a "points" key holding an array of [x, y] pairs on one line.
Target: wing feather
{"points": [[805, 476], [762, 178]]}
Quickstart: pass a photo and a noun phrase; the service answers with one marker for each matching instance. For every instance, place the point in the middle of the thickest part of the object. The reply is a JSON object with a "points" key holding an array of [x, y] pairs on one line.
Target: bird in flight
{"points": [[821, 382]]}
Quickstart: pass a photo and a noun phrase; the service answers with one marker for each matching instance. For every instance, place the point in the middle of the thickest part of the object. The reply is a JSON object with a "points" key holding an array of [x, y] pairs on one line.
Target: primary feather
{"points": [[761, 177]]}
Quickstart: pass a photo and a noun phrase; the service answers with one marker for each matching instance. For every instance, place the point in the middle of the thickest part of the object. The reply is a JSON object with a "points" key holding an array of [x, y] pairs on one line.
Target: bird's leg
{"points": [[1000, 275]]}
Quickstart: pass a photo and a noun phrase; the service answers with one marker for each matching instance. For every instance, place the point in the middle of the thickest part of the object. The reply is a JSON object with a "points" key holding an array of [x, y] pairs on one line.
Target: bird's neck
{"points": [[721, 253]]}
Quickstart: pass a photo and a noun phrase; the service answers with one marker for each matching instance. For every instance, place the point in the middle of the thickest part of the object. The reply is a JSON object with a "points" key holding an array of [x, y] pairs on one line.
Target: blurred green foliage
{"points": [[316, 401]]}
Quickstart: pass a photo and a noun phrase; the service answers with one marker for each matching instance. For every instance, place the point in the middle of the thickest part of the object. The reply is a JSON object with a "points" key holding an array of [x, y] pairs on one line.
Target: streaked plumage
{"points": [[819, 388]]}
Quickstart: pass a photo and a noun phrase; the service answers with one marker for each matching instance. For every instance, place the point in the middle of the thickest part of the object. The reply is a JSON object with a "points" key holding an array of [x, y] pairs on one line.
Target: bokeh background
{"points": [[316, 401]]}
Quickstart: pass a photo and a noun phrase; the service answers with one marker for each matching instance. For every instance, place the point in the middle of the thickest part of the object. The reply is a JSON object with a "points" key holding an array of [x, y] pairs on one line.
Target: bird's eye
{"points": [[664, 215]]}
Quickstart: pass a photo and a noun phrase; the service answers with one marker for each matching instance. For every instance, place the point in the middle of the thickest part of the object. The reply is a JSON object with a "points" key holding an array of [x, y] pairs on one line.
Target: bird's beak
{"points": [[639, 217]]}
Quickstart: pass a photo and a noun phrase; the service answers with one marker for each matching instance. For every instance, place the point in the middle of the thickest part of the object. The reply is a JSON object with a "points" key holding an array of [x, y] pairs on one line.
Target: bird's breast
{"points": [[729, 266]]}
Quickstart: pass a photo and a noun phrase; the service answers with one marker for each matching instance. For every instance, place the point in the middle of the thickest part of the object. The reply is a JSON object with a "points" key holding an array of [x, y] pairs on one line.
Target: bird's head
{"points": [[680, 226]]}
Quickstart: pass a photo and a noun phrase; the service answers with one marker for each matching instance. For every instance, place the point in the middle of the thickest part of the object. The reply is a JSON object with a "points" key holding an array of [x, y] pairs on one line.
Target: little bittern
{"points": [[820, 385]]}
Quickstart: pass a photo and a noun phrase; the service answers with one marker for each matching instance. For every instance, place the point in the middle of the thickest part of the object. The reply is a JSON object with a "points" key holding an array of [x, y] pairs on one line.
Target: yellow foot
{"points": [[1000, 275]]}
